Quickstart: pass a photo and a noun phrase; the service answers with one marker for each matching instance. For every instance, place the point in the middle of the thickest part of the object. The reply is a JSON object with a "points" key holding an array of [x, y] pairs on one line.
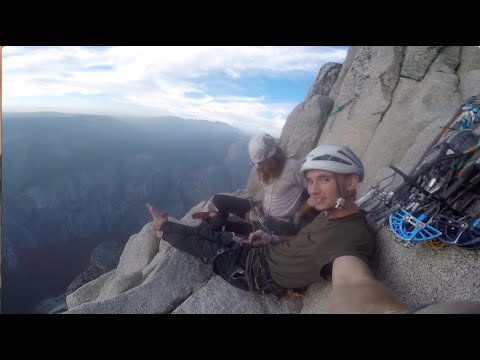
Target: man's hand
{"points": [[261, 238]]}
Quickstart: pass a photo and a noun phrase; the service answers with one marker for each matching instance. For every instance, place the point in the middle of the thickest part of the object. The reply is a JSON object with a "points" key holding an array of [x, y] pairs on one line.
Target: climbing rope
{"points": [[340, 108], [288, 293], [292, 294], [435, 244]]}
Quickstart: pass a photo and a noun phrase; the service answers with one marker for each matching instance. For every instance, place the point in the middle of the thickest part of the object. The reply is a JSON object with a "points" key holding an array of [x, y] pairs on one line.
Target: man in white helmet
{"points": [[337, 245], [283, 193]]}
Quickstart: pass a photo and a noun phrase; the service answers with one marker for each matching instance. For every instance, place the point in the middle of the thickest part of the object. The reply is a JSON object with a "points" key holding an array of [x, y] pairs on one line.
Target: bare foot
{"points": [[158, 218]]}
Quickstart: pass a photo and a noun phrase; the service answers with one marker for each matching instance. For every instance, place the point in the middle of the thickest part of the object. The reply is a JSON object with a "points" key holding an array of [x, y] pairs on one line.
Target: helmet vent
{"points": [[348, 156], [331, 158]]}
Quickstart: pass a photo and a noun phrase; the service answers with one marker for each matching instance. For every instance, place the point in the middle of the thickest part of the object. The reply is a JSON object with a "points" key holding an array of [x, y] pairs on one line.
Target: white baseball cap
{"points": [[262, 147]]}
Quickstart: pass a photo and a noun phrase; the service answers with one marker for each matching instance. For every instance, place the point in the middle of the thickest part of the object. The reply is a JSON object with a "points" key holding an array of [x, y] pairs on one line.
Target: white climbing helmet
{"points": [[262, 147], [335, 158]]}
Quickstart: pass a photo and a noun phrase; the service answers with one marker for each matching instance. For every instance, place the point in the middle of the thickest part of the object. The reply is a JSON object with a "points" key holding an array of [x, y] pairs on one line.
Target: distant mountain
{"points": [[71, 181]]}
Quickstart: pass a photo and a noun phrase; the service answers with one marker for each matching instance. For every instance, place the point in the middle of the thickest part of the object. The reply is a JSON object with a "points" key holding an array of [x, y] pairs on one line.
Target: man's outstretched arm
{"points": [[355, 290]]}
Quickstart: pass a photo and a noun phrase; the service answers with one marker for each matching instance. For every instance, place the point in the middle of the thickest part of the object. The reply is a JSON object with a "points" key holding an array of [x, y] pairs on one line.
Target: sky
{"points": [[249, 87]]}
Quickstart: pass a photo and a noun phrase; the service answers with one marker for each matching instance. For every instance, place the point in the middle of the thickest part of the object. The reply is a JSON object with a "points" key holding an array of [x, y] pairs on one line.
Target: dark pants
{"points": [[212, 247], [227, 204]]}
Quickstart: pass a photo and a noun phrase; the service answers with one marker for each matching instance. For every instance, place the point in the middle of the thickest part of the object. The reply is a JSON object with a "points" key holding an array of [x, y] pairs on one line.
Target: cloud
{"points": [[211, 83]]}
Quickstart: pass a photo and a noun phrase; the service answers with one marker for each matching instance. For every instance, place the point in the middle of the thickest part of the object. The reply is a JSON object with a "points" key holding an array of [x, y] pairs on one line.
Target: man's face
{"points": [[322, 187]]}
